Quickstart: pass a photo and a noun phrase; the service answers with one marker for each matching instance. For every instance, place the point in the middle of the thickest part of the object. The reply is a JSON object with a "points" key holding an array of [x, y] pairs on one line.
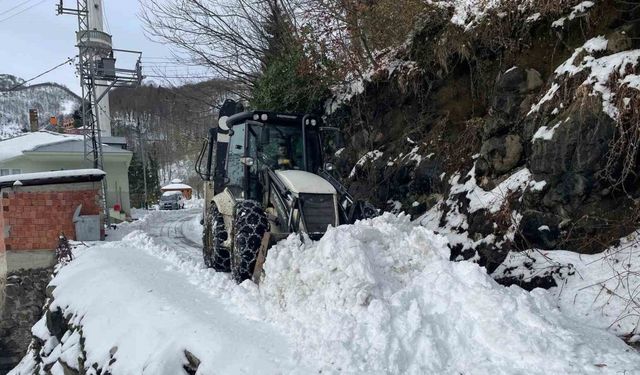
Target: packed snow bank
{"points": [[376, 297], [381, 296], [601, 290], [139, 314]]}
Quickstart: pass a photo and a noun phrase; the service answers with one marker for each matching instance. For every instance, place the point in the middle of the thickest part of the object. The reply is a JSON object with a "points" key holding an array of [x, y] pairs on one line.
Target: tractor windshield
{"points": [[281, 147], [254, 147]]}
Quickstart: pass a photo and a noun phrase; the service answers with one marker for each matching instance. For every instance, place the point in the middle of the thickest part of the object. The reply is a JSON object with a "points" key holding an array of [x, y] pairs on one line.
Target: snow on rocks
{"points": [[381, 296], [600, 72], [387, 65], [491, 200], [369, 157], [600, 290], [545, 133], [576, 11]]}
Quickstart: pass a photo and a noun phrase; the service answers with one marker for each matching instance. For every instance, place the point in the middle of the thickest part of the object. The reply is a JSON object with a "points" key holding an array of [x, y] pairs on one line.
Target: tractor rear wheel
{"points": [[215, 255], [250, 226]]}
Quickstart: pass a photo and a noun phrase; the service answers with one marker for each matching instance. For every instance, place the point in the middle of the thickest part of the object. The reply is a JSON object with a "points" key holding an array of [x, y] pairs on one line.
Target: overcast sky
{"points": [[37, 39]]}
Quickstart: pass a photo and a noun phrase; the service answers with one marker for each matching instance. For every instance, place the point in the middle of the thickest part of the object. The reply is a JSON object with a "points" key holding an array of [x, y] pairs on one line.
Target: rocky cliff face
{"points": [[520, 131]]}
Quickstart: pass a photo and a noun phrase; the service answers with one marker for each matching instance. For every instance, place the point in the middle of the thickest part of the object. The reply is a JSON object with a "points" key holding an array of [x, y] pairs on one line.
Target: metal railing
{"points": [[94, 39]]}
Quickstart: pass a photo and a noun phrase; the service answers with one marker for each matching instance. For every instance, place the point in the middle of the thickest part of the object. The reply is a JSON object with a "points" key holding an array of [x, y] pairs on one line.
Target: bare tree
{"points": [[228, 36]]}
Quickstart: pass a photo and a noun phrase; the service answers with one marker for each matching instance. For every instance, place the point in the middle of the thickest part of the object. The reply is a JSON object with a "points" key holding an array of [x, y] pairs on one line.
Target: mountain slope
{"points": [[50, 99]]}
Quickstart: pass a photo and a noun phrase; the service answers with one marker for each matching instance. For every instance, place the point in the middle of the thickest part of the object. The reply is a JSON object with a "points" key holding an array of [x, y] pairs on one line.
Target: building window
{"points": [[7, 171]]}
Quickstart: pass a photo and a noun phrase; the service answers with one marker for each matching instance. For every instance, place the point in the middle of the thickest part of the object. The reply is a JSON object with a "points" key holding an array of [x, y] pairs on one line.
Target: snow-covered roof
{"points": [[52, 175], [170, 193], [176, 187], [75, 145], [14, 147]]}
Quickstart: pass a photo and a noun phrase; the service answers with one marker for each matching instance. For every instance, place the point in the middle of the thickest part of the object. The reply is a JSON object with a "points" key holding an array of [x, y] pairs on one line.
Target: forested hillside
{"points": [[49, 99], [169, 123]]}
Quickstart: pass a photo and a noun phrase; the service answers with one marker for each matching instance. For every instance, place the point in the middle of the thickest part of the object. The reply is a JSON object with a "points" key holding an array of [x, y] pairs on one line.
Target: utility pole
{"points": [[144, 160], [98, 75]]}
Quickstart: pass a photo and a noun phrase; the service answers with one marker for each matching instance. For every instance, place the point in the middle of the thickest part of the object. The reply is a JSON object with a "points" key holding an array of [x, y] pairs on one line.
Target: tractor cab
{"points": [[265, 179], [264, 142]]}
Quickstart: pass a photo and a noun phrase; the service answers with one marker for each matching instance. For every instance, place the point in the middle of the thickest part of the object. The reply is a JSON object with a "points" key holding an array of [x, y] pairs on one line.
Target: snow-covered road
{"points": [[179, 231]]}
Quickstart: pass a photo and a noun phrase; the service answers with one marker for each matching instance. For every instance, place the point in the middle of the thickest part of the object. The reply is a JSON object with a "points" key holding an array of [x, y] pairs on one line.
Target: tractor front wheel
{"points": [[250, 226], [215, 255]]}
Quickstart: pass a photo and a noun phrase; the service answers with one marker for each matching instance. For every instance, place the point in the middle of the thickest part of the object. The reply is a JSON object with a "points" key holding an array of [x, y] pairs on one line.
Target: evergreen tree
{"points": [[136, 181], [288, 82]]}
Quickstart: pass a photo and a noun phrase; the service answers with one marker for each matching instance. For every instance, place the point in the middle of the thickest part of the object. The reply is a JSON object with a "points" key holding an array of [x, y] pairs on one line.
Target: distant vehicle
{"points": [[172, 200]]}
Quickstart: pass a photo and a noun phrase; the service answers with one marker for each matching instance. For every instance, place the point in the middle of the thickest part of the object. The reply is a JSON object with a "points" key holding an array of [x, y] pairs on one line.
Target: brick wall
{"points": [[2, 247], [36, 216]]}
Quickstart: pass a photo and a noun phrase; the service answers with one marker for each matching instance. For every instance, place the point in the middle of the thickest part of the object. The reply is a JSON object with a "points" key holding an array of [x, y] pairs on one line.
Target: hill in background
{"points": [[50, 99]]}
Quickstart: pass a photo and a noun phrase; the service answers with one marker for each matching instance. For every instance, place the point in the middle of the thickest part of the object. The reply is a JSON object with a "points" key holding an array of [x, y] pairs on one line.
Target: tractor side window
{"points": [[332, 143], [235, 169], [254, 150]]}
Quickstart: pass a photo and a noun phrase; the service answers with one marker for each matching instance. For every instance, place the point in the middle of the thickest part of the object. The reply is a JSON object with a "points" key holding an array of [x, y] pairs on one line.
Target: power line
{"points": [[104, 15], [15, 7], [22, 11], [39, 75]]}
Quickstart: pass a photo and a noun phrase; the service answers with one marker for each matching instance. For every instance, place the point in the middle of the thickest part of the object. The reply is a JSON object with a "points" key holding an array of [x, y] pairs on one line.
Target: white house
{"points": [[48, 151]]}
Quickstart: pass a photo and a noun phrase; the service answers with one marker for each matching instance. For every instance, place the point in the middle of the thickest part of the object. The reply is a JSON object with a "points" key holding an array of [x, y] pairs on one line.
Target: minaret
{"points": [[102, 111]]}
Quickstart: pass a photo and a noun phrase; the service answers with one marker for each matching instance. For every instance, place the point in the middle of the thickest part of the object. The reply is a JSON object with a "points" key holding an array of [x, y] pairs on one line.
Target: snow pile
{"points": [[194, 203], [382, 297], [138, 316], [601, 290]]}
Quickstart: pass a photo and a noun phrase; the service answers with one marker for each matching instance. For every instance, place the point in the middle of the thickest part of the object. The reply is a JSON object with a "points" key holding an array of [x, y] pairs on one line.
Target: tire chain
{"points": [[216, 256], [250, 225]]}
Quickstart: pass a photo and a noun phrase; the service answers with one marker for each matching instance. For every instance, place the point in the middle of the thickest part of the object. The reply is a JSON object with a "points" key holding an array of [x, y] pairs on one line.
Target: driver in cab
{"points": [[283, 158]]}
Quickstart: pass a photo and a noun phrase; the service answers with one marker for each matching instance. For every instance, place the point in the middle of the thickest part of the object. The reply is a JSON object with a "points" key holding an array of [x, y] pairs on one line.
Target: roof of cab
{"points": [[271, 117]]}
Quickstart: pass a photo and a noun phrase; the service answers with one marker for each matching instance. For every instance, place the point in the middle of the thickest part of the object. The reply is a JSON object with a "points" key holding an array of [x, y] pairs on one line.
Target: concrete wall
{"points": [[115, 165]]}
